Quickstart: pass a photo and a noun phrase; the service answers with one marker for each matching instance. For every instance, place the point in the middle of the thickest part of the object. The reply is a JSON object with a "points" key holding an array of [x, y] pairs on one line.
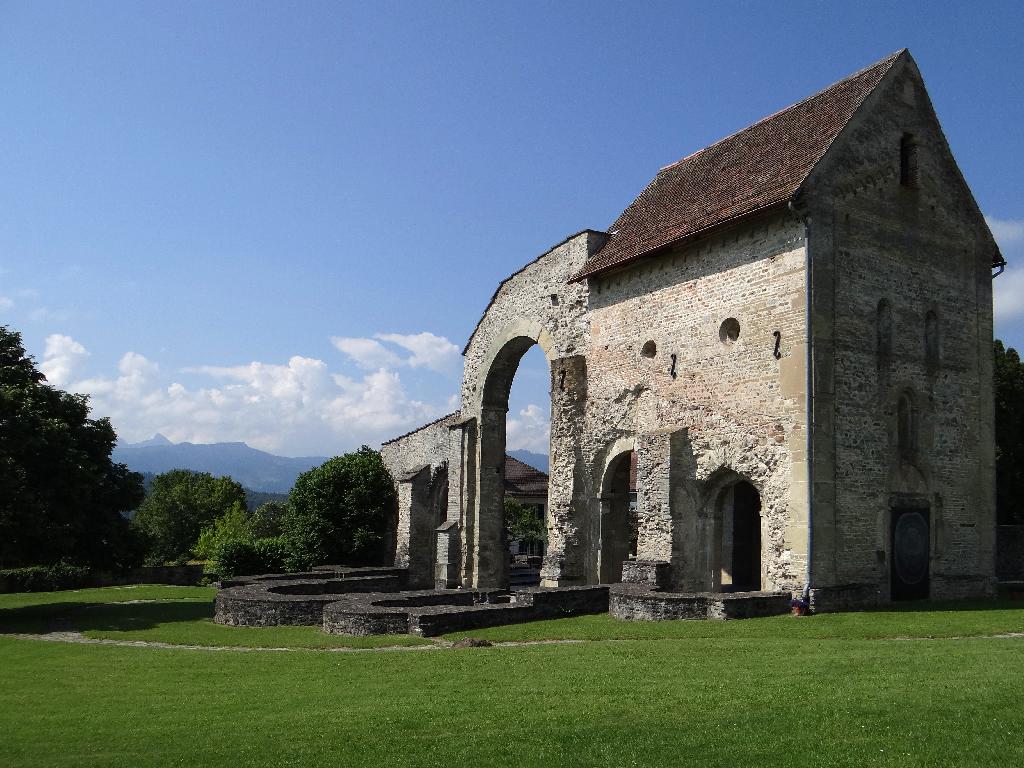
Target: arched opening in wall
{"points": [[618, 517], [910, 548], [738, 539], [906, 428], [516, 422], [527, 437]]}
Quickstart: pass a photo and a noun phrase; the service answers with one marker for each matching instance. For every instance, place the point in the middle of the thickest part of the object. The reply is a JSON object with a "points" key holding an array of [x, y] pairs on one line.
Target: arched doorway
{"points": [[618, 535], [738, 539], [490, 544]]}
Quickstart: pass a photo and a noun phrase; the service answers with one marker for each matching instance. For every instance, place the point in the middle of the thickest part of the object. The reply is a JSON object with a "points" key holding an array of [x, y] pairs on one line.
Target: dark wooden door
{"points": [[911, 551]]}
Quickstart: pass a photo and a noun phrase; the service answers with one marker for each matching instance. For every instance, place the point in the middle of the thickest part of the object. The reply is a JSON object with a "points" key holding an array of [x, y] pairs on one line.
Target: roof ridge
{"points": [[420, 428], [760, 166], [884, 71], [888, 61]]}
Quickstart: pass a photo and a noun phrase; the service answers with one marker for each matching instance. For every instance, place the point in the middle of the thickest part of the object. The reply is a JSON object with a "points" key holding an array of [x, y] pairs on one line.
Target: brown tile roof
{"points": [[523, 479], [760, 167]]}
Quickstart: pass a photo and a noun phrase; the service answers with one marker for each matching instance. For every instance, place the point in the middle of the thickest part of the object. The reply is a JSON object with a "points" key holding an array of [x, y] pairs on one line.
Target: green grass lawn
{"points": [[176, 615], [782, 691], [934, 620]]}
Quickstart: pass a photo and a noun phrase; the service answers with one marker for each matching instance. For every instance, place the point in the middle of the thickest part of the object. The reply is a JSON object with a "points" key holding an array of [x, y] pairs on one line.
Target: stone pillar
{"points": [[413, 548], [490, 548], [446, 569], [570, 548], [665, 507], [450, 569]]}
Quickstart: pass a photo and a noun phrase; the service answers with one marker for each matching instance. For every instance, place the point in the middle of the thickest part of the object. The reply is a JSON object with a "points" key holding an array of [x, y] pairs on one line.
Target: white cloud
{"points": [[531, 430], [366, 353], [292, 408], [6, 303], [1006, 231], [1008, 295], [428, 350], [62, 356]]}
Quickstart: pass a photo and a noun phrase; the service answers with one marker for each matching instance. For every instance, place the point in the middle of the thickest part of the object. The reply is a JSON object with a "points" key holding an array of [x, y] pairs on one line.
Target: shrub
{"points": [[233, 525], [266, 521], [45, 578], [247, 557], [271, 553], [236, 557]]}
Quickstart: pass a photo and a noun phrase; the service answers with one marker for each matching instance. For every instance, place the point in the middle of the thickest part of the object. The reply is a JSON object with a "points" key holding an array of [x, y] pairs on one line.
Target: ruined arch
{"points": [[488, 526], [539, 304]]}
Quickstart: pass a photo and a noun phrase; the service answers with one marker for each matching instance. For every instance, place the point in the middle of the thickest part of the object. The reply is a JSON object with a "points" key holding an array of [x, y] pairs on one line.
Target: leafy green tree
{"points": [[1009, 401], [522, 523], [179, 505], [268, 519], [61, 497], [341, 512], [235, 524]]}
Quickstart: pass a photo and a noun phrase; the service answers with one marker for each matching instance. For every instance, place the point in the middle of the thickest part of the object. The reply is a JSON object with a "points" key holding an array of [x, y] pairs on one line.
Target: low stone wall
{"points": [[1010, 552], [847, 597], [296, 599], [438, 612], [653, 573], [962, 587], [637, 602]]}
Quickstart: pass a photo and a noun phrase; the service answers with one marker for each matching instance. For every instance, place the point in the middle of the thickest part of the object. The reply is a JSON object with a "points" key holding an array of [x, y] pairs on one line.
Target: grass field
{"points": [[818, 691]]}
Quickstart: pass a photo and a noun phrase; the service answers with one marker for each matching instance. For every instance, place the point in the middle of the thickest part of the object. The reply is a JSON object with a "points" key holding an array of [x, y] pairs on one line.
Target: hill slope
{"points": [[254, 469]]}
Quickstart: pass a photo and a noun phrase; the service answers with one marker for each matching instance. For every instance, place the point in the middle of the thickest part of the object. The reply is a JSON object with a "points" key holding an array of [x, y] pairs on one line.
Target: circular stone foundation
{"points": [[297, 598]]}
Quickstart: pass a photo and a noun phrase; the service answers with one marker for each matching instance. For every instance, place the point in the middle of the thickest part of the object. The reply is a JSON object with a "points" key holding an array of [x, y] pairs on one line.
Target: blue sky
{"points": [[279, 222]]}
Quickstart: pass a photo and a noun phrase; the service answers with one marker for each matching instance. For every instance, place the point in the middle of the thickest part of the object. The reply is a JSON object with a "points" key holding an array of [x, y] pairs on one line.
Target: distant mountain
{"points": [[254, 469], [535, 460]]}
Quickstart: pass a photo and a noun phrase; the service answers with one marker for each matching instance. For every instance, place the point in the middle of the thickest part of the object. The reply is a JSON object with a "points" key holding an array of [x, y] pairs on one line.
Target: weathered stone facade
{"points": [[804, 383]]}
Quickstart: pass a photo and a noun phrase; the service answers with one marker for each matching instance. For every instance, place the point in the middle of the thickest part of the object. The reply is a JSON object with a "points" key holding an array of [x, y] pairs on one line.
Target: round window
{"points": [[650, 349], [729, 331]]}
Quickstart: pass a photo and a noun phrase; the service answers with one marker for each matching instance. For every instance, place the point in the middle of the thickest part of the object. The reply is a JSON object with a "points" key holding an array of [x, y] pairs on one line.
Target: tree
{"points": [[341, 511], [179, 505], [523, 523], [1008, 374], [268, 519], [61, 497]]}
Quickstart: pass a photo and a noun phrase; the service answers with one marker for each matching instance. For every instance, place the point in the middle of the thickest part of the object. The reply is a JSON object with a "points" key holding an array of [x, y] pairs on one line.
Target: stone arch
{"points": [[539, 304], [617, 528], [734, 506], [500, 362], [489, 537]]}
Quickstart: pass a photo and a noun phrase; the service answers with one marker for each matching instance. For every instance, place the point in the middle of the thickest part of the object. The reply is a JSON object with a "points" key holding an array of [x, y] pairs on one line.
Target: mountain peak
{"points": [[156, 439]]}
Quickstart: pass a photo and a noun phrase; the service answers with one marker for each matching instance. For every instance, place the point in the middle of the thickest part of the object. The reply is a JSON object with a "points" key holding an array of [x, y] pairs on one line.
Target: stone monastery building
{"points": [[793, 331]]}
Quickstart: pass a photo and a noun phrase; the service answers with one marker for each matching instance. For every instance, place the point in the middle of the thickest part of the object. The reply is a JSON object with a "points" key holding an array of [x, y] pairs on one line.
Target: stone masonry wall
{"points": [[730, 411], [921, 249], [418, 462]]}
